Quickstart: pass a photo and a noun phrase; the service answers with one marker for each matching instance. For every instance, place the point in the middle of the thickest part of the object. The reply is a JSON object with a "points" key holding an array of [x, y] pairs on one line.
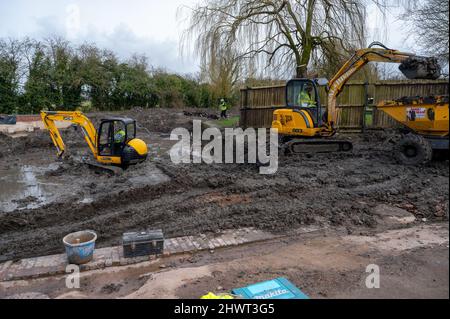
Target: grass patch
{"points": [[229, 122]]}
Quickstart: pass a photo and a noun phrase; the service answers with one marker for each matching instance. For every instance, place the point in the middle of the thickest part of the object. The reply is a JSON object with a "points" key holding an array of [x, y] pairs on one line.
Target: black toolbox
{"points": [[149, 242]]}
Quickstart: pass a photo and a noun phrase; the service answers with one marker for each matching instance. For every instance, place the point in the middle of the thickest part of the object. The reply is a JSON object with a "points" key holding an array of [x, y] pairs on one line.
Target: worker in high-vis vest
{"points": [[119, 137], [304, 98], [223, 108]]}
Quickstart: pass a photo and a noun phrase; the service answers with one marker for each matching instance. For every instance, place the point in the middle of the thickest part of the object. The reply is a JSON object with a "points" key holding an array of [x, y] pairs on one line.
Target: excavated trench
{"points": [[188, 199]]}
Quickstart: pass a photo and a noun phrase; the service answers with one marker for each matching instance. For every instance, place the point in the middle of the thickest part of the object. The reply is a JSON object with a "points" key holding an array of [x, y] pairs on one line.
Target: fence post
{"points": [[366, 102], [244, 107]]}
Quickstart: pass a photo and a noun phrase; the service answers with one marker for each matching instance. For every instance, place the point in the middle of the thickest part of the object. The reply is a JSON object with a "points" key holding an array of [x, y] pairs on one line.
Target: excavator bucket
{"points": [[421, 68]]}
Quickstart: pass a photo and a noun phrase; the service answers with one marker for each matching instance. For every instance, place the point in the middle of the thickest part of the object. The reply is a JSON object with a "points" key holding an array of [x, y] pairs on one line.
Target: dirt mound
{"points": [[19, 145], [39, 140], [165, 120], [206, 115], [159, 120]]}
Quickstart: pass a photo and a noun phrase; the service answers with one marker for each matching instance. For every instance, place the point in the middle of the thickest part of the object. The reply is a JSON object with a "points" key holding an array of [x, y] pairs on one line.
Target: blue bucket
{"points": [[80, 246]]}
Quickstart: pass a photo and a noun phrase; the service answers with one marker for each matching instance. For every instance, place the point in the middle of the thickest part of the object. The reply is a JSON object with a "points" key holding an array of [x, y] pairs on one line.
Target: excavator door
{"points": [[113, 135], [303, 95]]}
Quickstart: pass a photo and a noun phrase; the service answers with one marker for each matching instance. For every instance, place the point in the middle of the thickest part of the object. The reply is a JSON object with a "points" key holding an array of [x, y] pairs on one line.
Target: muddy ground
{"points": [[43, 199], [413, 263]]}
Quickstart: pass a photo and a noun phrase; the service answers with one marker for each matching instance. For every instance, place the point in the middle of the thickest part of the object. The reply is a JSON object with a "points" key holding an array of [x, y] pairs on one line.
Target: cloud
{"points": [[73, 24], [47, 26], [122, 40], [161, 53]]}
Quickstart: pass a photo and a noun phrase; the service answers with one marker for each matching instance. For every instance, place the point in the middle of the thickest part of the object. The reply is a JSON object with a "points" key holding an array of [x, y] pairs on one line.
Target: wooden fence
{"points": [[355, 111]]}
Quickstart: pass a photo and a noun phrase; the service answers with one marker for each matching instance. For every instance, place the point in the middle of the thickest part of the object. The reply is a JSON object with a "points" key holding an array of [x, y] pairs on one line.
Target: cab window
{"points": [[301, 94], [104, 142], [131, 131], [119, 132]]}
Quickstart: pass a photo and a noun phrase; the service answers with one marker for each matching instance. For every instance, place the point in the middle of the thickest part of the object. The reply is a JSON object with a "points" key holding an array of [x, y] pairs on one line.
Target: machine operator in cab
{"points": [[307, 101], [305, 97]]}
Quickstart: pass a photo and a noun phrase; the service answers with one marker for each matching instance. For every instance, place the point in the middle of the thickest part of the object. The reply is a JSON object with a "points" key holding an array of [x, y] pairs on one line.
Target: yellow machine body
{"points": [[139, 145], [109, 160], [294, 123], [421, 115]]}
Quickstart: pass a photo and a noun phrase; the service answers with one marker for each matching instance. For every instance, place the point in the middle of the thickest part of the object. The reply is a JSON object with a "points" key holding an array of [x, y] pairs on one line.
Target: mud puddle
{"points": [[24, 188]]}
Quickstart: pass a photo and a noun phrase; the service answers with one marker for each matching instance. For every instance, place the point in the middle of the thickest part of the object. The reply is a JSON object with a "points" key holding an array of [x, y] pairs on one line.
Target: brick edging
{"points": [[39, 267]]}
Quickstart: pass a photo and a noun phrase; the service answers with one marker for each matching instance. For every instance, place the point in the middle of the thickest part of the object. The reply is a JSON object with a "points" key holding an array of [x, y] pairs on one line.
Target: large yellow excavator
{"points": [[305, 126], [114, 143]]}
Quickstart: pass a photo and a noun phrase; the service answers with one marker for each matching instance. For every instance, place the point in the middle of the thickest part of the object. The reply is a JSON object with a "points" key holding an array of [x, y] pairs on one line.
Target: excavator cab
{"points": [[114, 134], [302, 94], [303, 114], [116, 141]]}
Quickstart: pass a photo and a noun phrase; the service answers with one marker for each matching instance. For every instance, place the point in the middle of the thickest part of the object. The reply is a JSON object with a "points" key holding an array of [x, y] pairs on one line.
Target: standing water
{"points": [[20, 188]]}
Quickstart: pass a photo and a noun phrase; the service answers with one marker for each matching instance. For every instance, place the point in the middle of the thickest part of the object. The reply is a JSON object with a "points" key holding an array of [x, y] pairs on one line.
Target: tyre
{"points": [[413, 149]]}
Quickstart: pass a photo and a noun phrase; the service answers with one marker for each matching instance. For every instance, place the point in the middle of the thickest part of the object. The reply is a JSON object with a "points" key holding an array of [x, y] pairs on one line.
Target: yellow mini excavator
{"points": [[113, 144], [305, 126]]}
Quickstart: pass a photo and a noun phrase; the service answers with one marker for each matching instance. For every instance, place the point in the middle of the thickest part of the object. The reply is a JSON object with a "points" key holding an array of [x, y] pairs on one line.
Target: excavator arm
{"points": [[90, 134], [412, 66]]}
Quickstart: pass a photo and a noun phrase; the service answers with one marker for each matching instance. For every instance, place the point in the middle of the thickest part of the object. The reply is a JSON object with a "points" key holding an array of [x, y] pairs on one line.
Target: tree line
{"points": [[56, 75]]}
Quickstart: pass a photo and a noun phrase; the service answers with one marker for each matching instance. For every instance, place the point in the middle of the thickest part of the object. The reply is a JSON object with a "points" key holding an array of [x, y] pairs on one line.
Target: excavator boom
{"points": [[411, 65], [78, 118]]}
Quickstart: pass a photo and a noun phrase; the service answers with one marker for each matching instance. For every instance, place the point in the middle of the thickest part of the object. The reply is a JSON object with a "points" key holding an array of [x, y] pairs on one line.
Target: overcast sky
{"points": [[150, 27]]}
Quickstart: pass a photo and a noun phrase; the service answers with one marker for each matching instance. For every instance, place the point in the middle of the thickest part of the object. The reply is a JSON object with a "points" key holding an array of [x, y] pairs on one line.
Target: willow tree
{"points": [[222, 72], [280, 35]]}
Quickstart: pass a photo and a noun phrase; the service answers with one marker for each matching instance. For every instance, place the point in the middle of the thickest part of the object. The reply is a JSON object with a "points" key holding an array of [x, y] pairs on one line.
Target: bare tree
{"points": [[222, 73], [282, 35], [430, 26]]}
